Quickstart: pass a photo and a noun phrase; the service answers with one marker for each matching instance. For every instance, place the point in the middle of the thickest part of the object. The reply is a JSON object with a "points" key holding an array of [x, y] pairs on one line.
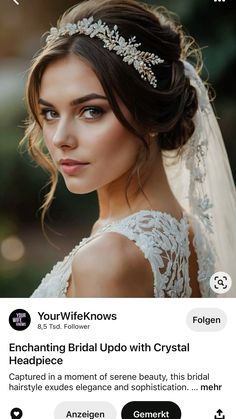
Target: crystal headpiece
{"points": [[141, 60]]}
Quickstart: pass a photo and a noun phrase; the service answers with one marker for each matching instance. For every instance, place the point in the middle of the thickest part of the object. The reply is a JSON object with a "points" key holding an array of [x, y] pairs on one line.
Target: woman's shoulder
{"points": [[111, 265]]}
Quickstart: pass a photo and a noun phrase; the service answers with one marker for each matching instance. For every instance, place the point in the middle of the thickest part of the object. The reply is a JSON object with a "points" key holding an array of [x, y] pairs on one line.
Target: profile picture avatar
{"points": [[19, 319]]}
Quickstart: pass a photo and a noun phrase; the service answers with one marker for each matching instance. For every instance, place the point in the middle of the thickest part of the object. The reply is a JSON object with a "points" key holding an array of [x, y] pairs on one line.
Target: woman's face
{"points": [[87, 143]]}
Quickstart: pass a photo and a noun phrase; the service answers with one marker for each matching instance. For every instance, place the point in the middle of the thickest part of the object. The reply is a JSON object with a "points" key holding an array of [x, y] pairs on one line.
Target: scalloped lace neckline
{"points": [[164, 241], [136, 214]]}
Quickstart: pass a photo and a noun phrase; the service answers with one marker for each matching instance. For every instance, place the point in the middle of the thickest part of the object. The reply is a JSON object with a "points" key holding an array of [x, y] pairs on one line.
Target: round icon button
{"points": [[19, 319], [16, 413], [220, 282]]}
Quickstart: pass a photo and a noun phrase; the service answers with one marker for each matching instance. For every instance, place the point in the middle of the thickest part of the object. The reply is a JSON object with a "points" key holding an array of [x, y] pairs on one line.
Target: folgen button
{"points": [[206, 319], [151, 410]]}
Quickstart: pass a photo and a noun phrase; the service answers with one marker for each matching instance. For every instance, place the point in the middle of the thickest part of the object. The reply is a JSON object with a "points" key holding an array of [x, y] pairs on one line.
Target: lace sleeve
{"points": [[164, 242]]}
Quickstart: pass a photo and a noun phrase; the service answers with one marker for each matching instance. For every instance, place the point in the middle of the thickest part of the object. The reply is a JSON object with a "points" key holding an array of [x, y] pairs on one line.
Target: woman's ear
{"points": [[153, 135]]}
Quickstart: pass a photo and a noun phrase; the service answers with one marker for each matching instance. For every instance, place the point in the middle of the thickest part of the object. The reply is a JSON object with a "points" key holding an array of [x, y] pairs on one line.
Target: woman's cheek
{"points": [[109, 138], [47, 136]]}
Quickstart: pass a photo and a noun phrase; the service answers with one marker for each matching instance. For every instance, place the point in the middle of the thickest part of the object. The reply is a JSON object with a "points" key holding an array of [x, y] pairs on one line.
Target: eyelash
{"points": [[45, 111], [99, 110], [44, 114]]}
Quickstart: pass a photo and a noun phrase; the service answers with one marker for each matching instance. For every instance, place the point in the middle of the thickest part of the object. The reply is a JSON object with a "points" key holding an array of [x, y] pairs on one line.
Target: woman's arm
{"points": [[111, 266]]}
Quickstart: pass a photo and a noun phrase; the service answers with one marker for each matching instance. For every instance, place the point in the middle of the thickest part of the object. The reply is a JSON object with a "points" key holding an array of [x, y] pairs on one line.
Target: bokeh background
{"points": [[25, 254]]}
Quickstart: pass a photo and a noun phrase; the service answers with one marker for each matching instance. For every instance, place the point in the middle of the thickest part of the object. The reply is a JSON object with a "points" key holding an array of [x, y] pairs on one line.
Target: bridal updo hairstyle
{"points": [[166, 111]]}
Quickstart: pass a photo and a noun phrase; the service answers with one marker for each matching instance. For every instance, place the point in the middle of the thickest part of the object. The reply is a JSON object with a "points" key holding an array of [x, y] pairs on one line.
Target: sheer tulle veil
{"points": [[202, 182]]}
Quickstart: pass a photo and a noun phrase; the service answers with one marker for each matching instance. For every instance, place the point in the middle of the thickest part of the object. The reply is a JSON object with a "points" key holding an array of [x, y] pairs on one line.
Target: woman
{"points": [[122, 112]]}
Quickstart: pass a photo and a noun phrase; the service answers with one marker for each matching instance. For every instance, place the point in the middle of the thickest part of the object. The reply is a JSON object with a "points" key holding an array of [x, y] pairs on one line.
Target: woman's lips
{"points": [[71, 167]]}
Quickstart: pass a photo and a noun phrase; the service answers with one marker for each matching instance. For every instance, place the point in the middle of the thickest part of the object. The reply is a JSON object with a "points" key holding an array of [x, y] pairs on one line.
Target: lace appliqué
{"points": [[163, 241], [196, 152], [206, 259], [55, 283]]}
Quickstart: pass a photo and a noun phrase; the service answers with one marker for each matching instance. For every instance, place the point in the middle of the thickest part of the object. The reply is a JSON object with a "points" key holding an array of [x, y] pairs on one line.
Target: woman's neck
{"points": [[120, 198]]}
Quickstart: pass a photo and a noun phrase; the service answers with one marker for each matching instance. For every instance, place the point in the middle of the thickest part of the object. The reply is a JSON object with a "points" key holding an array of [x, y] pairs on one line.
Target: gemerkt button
{"points": [[67, 410], [206, 319], [151, 410]]}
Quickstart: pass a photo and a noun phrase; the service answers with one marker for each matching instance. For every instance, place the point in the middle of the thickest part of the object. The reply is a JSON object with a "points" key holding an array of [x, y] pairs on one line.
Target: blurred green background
{"points": [[25, 254]]}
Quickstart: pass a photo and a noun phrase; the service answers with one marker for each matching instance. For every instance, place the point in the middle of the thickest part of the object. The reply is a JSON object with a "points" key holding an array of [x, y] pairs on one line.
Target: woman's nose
{"points": [[65, 135]]}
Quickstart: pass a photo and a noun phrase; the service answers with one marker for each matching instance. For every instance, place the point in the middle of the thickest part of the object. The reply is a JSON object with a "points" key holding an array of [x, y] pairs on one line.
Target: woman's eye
{"points": [[91, 113], [86, 113], [49, 114]]}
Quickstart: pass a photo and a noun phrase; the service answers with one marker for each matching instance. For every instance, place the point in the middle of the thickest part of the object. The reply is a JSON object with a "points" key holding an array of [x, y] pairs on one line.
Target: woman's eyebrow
{"points": [[87, 98], [75, 101]]}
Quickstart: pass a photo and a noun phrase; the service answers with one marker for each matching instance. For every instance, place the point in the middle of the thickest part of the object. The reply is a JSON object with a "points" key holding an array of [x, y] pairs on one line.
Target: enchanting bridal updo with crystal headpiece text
{"points": [[165, 110]]}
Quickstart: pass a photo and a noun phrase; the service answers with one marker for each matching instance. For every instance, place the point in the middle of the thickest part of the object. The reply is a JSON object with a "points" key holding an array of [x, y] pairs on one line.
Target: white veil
{"points": [[203, 184]]}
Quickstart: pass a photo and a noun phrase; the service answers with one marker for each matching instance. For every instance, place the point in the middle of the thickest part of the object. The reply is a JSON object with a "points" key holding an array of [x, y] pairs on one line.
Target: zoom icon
{"points": [[220, 282]]}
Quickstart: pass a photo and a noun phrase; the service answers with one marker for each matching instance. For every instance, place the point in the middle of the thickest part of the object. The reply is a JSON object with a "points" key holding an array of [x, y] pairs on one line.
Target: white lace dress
{"points": [[164, 242]]}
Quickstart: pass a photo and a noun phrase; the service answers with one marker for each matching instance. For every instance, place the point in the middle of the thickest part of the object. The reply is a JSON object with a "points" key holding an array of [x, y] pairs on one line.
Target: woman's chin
{"points": [[78, 189]]}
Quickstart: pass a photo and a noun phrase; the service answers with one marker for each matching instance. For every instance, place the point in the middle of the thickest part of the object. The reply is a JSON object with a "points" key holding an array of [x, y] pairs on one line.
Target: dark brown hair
{"points": [[166, 110]]}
